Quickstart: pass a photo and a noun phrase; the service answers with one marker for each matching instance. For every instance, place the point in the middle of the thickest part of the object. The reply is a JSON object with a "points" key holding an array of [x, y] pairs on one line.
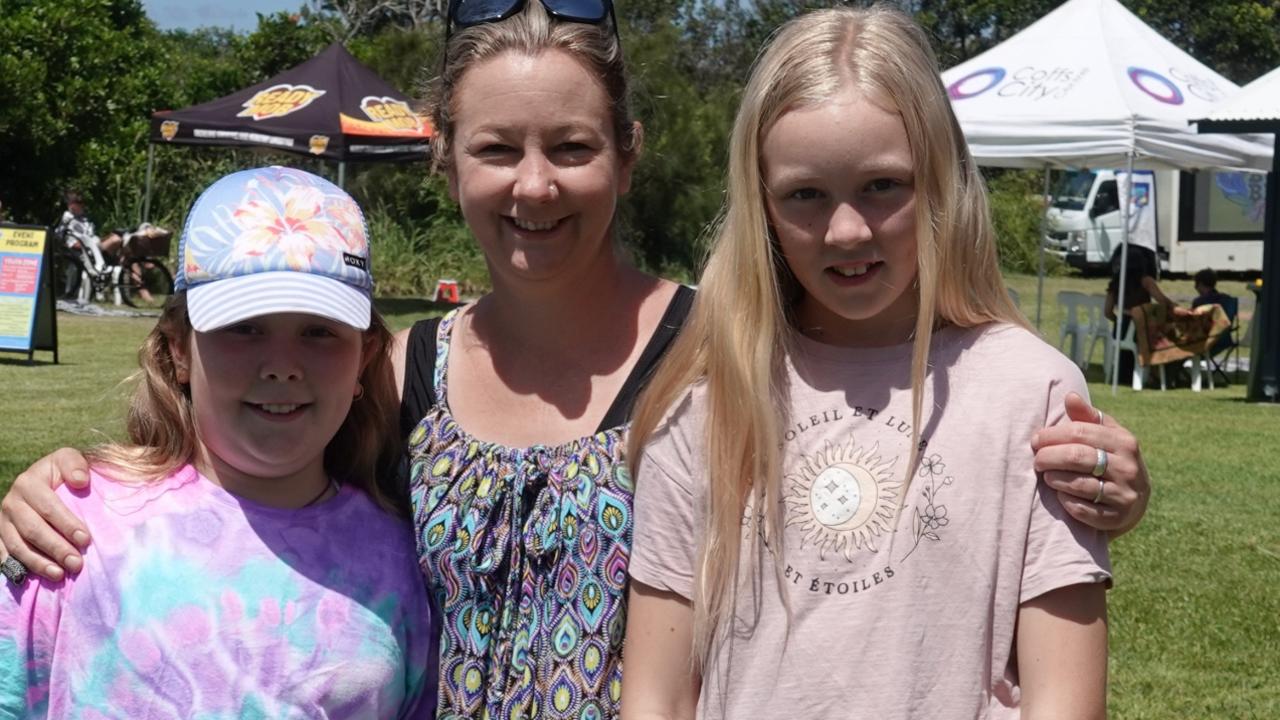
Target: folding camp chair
{"points": [[1228, 343]]}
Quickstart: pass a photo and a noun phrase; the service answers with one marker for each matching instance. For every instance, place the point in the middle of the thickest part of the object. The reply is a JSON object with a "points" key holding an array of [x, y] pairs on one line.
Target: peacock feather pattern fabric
{"points": [[525, 551]]}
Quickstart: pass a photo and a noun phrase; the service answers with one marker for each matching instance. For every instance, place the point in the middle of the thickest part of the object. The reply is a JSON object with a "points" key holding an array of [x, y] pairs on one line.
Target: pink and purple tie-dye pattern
{"points": [[195, 604]]}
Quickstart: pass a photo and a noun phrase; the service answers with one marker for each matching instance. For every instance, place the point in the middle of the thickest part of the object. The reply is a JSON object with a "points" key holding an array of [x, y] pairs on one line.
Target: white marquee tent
{"points": [[1091, 85]]}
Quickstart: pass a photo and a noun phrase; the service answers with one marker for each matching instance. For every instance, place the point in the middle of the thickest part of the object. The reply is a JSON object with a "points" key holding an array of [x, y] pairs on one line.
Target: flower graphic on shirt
{"points": [[926, 521], [934, 517], [932, 465], [843, 498]]}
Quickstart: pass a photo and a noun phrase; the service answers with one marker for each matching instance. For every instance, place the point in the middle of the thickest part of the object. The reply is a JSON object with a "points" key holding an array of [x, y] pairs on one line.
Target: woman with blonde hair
{"points": [[837, 508]]}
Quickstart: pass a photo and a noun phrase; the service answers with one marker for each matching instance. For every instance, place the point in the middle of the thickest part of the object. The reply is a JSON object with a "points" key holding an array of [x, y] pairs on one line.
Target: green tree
{"points": [[1237, 38], [280, 41], [1240, 39], [80, 77]]}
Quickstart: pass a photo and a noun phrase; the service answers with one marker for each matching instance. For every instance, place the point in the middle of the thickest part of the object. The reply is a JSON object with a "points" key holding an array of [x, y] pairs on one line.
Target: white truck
{"points": [[1210, 218]]}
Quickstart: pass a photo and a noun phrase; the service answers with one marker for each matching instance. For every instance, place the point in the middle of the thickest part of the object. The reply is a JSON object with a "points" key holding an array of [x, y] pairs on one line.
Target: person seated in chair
{"points": [[76, 230], [1206, 282], [1140, 288]]}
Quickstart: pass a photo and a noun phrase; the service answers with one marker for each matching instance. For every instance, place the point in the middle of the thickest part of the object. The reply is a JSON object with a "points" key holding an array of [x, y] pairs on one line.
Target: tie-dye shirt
{"points": [[194, 603]]}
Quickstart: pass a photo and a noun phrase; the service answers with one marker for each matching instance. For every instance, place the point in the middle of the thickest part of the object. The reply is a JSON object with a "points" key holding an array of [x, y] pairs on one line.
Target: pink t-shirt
{"points": [[194, 603], [913, 618]]}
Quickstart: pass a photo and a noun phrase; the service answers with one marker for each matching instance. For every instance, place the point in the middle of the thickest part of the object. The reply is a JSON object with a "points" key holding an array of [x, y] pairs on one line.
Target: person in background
{"points": [[1140, 288], [1206, 283], [77, 231]]}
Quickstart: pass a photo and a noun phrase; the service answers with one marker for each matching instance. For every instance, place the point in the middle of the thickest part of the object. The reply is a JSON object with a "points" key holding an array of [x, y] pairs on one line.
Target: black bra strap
{"points": [[672, 320], [420, 366], [419, 375]]}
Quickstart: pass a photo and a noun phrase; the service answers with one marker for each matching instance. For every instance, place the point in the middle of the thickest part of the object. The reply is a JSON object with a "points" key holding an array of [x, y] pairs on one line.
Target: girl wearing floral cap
{"points": [[249, 566]]}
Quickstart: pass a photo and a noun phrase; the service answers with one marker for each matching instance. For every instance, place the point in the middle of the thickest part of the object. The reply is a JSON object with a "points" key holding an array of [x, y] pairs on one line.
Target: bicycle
{"points": [[140, 277]]}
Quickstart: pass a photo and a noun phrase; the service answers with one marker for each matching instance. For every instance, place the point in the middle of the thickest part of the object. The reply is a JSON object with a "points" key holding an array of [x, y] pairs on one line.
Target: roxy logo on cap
{"points": [[274, 219]]}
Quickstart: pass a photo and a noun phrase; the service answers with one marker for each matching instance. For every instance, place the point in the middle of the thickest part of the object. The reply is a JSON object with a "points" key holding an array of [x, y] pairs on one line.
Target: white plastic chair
{"points": [[1071, 303], [1129, 342], [1099, 330]]}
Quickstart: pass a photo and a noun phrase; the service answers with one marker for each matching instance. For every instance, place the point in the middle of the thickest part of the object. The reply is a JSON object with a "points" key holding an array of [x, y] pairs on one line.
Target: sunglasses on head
{"points": [[465, 13]]}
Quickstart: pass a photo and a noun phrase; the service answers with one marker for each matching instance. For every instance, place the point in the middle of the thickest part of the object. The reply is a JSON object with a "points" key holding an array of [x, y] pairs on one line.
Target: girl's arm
{"points": [[1062, 654], [659, 682], [35, 526]]}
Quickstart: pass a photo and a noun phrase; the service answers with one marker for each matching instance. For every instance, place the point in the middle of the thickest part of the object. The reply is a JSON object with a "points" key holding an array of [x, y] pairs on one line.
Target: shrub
{"points": [[1017, 211]]}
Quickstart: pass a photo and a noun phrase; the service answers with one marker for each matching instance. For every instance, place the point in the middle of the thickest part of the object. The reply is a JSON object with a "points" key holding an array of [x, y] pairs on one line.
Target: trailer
{"points": [[1192, 220]]}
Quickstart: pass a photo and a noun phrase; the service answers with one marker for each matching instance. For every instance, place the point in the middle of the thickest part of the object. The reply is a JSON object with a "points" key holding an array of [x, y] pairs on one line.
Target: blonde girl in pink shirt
{"points": [[837, 506]]}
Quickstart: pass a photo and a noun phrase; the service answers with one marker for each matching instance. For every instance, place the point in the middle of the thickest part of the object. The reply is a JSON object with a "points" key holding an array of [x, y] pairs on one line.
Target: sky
{"points": [[235, 14]]}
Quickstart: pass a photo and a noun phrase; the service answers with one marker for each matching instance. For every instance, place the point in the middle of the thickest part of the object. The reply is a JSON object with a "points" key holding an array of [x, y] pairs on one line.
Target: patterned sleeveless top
{"points": [[525, 550]]}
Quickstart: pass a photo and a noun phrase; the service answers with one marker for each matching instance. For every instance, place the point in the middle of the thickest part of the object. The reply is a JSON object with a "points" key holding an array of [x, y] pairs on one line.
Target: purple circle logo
{"points": [[975, 83], [1156, 85]]}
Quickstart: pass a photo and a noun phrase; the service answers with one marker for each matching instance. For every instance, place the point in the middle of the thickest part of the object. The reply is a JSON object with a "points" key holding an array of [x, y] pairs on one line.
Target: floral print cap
{"points": [[275, 240]]}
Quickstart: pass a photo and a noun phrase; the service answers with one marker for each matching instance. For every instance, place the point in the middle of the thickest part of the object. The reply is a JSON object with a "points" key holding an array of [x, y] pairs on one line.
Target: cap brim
{"points": [[221, 303]]}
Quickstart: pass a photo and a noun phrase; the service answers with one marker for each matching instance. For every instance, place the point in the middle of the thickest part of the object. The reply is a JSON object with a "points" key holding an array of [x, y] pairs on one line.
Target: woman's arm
{"points": [[35, 527], [1062, 654], [1153, 288], [1067, 452], [659, 682]]}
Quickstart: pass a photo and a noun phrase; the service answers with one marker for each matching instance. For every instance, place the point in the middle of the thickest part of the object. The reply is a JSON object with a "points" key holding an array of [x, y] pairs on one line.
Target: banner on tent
{"points": [[279, 100], [1033, 82], [1142, 208], [1028, 81]]}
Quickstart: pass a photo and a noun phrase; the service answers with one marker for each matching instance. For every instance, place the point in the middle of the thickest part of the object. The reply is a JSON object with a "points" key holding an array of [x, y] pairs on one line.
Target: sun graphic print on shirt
{"points": [[843, 499]]}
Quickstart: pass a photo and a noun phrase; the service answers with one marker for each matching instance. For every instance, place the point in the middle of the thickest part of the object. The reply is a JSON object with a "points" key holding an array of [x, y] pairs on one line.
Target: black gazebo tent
{"points": [[330, 106]]}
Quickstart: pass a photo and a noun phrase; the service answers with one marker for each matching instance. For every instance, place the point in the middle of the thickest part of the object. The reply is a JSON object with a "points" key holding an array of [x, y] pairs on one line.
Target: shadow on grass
{"points": [[1245, 400], [22, 361]]}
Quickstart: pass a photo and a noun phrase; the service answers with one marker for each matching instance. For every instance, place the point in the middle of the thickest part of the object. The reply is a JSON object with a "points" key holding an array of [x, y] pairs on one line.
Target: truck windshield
{"points": [[1073, 190]]}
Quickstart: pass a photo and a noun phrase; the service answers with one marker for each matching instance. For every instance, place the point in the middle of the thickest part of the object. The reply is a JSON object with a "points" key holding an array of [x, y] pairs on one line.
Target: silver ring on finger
{"points": [[1102, 485], [14, 571], [1100, 467], [1099, 415]]}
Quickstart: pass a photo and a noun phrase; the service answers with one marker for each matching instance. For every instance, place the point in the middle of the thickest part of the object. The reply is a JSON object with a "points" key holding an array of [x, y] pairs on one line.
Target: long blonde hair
{"points": [[161, 428], [739, 327]]}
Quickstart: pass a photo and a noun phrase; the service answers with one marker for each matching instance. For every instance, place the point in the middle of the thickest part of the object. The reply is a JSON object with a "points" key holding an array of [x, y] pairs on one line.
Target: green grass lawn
{"points": [[1195, 612]]}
